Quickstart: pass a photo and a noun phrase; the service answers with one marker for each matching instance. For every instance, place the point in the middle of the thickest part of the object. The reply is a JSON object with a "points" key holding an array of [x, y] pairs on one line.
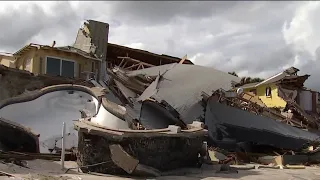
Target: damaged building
{"points": [[130, 111], [286, 93]]}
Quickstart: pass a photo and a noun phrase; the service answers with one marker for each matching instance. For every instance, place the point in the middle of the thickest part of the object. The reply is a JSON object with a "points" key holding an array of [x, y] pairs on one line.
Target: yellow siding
{"points": [[39, 59], [272, 101]]}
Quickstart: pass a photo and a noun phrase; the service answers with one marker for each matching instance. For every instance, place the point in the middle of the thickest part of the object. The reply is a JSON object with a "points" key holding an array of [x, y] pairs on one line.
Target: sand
{"points": [[51, 170]]}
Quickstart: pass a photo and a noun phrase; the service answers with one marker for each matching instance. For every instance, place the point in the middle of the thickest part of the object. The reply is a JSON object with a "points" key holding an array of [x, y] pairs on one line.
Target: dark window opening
{"points": [[59, 67], [268, 91], [53, 66], [67, 69]]}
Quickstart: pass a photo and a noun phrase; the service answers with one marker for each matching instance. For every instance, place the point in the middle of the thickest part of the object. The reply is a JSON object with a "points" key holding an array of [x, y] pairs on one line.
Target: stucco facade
{"points": [[35, 60], [270, 101], [7, 59]]}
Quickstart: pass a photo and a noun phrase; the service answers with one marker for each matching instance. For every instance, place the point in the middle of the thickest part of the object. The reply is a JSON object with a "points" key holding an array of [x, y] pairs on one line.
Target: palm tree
{"points": [[233, 73], [246, 80]]}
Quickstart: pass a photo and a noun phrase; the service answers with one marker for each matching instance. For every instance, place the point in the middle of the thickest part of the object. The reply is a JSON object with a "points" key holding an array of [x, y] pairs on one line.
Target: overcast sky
{"points": [[251, 38]]}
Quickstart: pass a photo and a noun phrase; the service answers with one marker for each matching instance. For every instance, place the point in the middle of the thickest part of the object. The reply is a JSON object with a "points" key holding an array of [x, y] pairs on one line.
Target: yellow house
{"points": [[268, 93], [7, 59], [269, 89], [64, 61]]}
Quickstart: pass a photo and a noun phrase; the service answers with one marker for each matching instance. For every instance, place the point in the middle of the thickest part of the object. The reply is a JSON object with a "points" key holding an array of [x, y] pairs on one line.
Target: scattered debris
{"points": [[146, 118], [99, 144]]}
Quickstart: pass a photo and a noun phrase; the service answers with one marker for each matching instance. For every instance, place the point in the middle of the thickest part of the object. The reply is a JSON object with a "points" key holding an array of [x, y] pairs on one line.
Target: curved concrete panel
{"points": [[44, 112], [106, 119]]}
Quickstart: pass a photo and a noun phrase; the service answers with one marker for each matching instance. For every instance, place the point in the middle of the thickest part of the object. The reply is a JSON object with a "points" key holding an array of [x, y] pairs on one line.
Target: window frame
{"points": [[61, 59]]}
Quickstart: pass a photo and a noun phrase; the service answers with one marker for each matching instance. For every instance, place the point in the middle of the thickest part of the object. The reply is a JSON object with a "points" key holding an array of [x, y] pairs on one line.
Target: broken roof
{"points": [[182, 85], [68, 49], [249, 85], [289, 73], [114, 51]]}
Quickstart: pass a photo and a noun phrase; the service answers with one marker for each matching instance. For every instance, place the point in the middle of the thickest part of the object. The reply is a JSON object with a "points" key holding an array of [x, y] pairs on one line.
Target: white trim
{"points": [[61, 59], [270, 78]]}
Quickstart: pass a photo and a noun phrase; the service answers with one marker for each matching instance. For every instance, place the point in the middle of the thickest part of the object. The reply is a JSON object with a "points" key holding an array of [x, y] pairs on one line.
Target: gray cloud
{"points": [[253, 38], [161, 12]]}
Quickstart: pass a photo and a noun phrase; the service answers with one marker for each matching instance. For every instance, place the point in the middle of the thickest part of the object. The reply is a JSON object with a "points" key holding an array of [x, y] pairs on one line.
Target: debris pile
{"points": [[159, 118], [139, 117]]}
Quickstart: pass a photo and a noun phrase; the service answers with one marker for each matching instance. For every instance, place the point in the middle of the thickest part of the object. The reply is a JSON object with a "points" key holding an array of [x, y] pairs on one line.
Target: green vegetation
{"points": [[246, 80]]}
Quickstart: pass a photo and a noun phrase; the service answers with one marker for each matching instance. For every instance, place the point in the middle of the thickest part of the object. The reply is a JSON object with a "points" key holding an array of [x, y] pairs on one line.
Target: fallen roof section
{"points": [[181, 86], [232, 123], [278, 77]]}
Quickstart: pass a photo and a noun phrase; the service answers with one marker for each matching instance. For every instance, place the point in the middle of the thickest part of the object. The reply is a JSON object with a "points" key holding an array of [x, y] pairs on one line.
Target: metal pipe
{"points": [[63, 144]]}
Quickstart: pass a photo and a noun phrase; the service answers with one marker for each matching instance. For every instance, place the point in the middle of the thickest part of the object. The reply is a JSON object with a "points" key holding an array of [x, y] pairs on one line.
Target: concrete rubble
{"points": [[153, 121]]}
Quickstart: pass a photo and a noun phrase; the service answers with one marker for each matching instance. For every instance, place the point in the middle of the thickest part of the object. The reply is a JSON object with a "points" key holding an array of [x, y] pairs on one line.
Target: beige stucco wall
{"points": [[21, 61], [7, 61], [38, 60]]}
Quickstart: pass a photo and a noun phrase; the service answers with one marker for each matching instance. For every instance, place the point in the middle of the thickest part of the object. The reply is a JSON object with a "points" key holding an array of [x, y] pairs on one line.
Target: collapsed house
{"points": [[147, 111], [168, 84], [285, 92]]}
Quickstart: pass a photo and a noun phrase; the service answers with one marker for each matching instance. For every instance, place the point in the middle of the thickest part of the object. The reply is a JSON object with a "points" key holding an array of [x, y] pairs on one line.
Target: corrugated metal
{"points": [[182, 86]]}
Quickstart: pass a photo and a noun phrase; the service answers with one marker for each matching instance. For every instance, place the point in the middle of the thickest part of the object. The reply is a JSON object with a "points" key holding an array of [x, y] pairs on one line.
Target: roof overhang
{"points": [[32, 46]]}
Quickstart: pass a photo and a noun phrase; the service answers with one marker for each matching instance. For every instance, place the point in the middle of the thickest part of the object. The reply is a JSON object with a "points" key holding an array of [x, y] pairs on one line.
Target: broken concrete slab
{"points": [[174, 129], [122, 159], [274, 160], [159, 149]]}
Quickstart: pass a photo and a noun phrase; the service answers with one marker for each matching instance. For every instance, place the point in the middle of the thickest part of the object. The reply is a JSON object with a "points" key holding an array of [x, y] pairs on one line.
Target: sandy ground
{"points": [[49, 170]]}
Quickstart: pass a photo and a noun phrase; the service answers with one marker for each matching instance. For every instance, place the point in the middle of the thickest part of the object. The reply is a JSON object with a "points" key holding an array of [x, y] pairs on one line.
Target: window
{"points": [[254, 91], [67, 68], [53, 66], [268, 91], [59, 67]]}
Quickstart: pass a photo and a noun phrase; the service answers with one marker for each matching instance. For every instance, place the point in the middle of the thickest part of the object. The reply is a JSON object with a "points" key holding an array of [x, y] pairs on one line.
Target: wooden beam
{"points": [[130, 67], [124, 65], [121, 62], [137, 61], [183, 59]]}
